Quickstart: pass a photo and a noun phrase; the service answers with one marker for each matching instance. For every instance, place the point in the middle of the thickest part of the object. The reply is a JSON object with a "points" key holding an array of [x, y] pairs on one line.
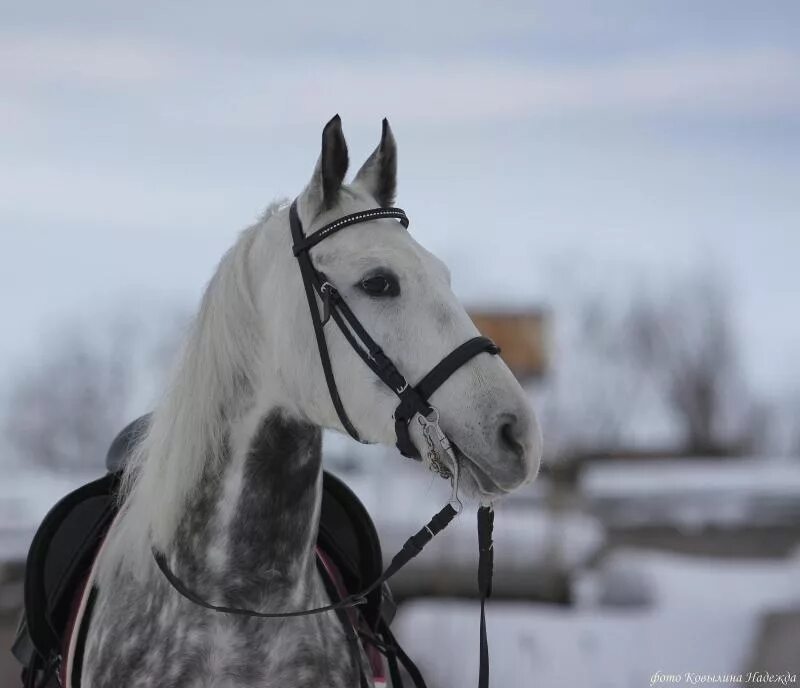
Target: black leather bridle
{"points": [[413, 400], [413, 404]]}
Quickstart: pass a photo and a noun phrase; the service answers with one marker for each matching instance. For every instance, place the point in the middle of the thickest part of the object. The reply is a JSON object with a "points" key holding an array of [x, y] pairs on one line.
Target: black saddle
{"points": [[64, 547]]}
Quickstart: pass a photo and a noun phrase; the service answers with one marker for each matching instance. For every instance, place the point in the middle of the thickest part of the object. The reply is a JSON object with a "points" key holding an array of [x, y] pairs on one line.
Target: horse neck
{"points": [[248, 534]]}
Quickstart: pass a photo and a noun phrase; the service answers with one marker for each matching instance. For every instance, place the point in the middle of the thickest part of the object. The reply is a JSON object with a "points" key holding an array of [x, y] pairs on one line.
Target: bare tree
{"points": [[636, 367], [684, 342], [65, 410], [593, 395]]}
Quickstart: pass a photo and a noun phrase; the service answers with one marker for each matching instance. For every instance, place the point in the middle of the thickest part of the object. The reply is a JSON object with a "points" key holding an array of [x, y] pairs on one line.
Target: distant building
{"points": [[522, 336]]}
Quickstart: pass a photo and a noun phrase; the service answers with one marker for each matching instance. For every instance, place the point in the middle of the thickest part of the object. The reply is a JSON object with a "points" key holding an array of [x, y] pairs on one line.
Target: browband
{"points": [[332, 227]]}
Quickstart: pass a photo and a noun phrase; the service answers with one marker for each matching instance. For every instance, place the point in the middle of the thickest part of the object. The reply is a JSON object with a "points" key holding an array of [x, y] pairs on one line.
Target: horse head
{"points": [[400, 293]]}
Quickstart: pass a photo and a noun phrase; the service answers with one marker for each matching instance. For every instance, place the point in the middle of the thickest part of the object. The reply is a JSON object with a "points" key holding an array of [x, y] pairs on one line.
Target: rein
{"points": [[413, 404]]}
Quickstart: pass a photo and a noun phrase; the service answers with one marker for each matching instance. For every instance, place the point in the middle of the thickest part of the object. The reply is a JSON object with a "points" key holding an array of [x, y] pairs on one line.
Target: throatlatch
{"points": [[413, 404]]}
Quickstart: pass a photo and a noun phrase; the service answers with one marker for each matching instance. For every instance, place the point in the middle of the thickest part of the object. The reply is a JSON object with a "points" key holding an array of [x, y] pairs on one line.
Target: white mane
{"points": [[186, 434]]}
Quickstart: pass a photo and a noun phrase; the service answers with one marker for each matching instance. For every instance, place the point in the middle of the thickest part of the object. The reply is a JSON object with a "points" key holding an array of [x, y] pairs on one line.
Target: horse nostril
{"points": [[511, 436]]}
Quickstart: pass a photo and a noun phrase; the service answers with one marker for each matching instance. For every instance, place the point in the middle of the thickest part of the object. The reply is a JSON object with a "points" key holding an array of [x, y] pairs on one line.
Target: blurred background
{"points": [[615, 189]]}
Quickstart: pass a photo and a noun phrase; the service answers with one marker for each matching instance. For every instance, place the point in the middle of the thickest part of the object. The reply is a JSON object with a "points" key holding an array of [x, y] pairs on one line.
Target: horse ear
{"points": [[323, 189], [378, 175]]}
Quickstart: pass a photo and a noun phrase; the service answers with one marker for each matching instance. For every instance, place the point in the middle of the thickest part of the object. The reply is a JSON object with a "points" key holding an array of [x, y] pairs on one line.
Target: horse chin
{"points": [[474, 481]]}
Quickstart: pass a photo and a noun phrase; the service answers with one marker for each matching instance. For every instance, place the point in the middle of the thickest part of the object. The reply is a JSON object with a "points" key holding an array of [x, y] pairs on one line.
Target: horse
{"points": [[226, 480]]}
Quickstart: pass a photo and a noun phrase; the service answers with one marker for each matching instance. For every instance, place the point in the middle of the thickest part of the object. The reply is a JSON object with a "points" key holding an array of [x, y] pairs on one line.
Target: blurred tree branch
{"points": [[684, 341], [638, 368], [63, 413]]}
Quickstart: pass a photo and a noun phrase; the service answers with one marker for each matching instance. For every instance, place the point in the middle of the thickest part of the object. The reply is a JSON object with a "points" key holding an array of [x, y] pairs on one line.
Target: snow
{"points": [[752, 475], [524, 539], [690, 581], [694, 493], [638, 612], [703, 617], [401, 496]]}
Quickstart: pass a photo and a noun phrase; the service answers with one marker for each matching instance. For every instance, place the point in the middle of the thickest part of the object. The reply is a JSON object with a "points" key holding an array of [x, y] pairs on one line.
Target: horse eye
{"points": [[380, 285]]}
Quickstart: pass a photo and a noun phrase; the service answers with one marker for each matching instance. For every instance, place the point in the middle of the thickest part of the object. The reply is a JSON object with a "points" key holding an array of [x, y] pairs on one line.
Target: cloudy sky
{"points": [[540, 143]]}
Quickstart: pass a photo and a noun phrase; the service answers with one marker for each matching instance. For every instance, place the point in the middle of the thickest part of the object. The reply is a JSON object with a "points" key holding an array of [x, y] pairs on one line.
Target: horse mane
{"points": [[186, 436]]}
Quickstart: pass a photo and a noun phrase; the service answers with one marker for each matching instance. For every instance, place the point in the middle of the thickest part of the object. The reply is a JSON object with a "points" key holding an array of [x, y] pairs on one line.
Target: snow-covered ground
{"points": [[638, 613], [694, 493], [702, 617], [401, 496]]}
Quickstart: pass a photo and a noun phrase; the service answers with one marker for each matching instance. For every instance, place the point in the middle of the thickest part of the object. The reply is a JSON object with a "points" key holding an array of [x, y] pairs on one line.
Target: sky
{"points": [[540, 145]]}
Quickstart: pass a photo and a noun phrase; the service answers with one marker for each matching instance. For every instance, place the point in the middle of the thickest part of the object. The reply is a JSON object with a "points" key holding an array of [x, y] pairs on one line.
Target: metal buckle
{"points": [[326, 290], [436, 441], [454, 501]]}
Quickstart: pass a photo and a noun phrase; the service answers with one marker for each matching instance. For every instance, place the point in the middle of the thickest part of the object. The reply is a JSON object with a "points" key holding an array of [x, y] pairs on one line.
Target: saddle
{"points": [[65, 545]]}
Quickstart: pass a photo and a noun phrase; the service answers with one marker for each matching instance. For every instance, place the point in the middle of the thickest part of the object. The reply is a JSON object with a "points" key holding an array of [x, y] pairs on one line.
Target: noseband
{"points": [[413, 404], [413, 400]]}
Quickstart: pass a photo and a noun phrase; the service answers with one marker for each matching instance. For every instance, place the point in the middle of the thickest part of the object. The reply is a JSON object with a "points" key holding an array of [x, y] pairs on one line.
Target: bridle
{"points": [[413, 404], [413, 400]]}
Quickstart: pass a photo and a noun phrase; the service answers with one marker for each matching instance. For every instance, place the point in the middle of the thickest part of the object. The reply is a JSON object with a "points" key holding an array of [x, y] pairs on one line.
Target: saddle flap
{"points": [[348, 536], [59, 557]]}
